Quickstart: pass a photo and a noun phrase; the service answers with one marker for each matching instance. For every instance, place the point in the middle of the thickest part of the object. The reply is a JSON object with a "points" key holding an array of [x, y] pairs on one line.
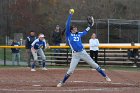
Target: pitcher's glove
{"points": [[90, 21]]}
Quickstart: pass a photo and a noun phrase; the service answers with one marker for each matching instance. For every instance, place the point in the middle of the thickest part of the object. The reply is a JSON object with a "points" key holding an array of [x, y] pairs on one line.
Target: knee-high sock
{"points": [[43, 64], [33, 65], [65, 78], [101, 72]]}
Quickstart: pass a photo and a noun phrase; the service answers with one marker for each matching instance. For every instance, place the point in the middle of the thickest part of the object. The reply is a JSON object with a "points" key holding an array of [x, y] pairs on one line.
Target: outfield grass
{"points": [[23, 54], [126, 68], [109, 68], [9, 54]]}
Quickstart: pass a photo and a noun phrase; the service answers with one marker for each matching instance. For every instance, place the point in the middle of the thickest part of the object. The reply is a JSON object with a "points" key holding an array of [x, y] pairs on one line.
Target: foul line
{"points": [[129, 84], [78, 88], [75, 69], [68, 90]]}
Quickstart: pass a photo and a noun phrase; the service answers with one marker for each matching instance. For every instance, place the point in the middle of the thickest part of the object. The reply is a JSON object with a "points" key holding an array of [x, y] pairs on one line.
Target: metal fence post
{"points": [[4, 56], [104, 57]]}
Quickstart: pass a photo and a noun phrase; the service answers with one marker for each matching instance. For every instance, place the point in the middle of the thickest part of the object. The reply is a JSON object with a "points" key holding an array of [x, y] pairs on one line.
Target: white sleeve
{"points": [[34, 42], [91, 42], [88, 28], [94, 43], [97, 43]]}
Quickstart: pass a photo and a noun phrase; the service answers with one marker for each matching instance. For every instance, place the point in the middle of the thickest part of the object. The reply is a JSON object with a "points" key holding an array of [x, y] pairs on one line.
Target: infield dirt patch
{"points": [[22, 80]]}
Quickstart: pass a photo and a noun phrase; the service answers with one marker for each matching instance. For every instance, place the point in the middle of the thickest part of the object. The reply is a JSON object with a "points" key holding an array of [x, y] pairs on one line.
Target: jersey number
{"points": [[76, 38]]}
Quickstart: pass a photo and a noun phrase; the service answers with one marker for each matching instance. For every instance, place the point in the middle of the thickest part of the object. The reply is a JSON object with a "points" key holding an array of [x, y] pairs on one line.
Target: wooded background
{"points": [[21, 16]]}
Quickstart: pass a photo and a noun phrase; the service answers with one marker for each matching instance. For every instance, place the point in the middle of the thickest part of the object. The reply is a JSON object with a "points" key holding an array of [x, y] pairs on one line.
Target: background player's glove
{"points": [[42, 47], [90, 21]]}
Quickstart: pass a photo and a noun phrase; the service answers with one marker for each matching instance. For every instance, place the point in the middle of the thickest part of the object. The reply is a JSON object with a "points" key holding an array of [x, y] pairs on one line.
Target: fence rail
{"points": [[66, 47], [105, 51]]}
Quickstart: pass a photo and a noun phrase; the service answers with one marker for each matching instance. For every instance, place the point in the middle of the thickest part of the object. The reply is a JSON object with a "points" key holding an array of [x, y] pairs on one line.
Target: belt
{"points": [[78, 51]]}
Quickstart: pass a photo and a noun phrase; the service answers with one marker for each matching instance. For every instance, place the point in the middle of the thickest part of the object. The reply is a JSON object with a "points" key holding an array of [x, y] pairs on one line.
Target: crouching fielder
{"points": [[74, 39], [37, 49]]}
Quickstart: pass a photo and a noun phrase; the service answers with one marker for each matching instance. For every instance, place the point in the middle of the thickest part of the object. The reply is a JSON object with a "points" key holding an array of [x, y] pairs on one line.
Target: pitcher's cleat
{"points": [[33, 69], [60, 84], [44, 68], [107, 79]]}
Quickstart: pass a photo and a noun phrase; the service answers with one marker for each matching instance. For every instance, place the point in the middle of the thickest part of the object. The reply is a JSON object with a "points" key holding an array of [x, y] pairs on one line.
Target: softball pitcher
{"points": [[37, 49], [74, 39]]}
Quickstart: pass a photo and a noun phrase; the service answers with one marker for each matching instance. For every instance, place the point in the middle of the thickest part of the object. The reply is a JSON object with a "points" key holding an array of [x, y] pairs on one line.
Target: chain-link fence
{"points": [[113, 30], [108, 31]]}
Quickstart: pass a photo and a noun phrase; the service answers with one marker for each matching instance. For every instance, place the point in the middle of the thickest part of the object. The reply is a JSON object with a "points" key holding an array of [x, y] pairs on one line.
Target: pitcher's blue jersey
{"points": [[37, 44], [74, 39]]}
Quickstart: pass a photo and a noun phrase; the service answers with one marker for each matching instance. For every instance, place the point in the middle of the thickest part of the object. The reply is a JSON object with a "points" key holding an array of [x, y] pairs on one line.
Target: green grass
{"points": [[125, 68], [10, 66], [23, 54], [109, 68], [1, 53], [9, 54]]}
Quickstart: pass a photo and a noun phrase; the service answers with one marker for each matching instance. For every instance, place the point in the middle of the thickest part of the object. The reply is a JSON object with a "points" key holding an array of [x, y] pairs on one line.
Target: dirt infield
{"points": [[22, 80]]}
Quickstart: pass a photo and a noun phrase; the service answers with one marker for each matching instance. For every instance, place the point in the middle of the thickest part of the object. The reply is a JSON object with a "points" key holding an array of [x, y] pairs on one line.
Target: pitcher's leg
{"points": [[74, 61], [92, 63], [73, 65], [84, 56]]}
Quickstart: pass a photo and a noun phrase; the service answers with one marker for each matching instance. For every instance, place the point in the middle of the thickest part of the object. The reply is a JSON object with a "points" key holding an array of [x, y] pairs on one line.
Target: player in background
{"points": [[29, 40], [94, 47], [74, 39], [15, 52], [56, 38], [37, 49]]}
